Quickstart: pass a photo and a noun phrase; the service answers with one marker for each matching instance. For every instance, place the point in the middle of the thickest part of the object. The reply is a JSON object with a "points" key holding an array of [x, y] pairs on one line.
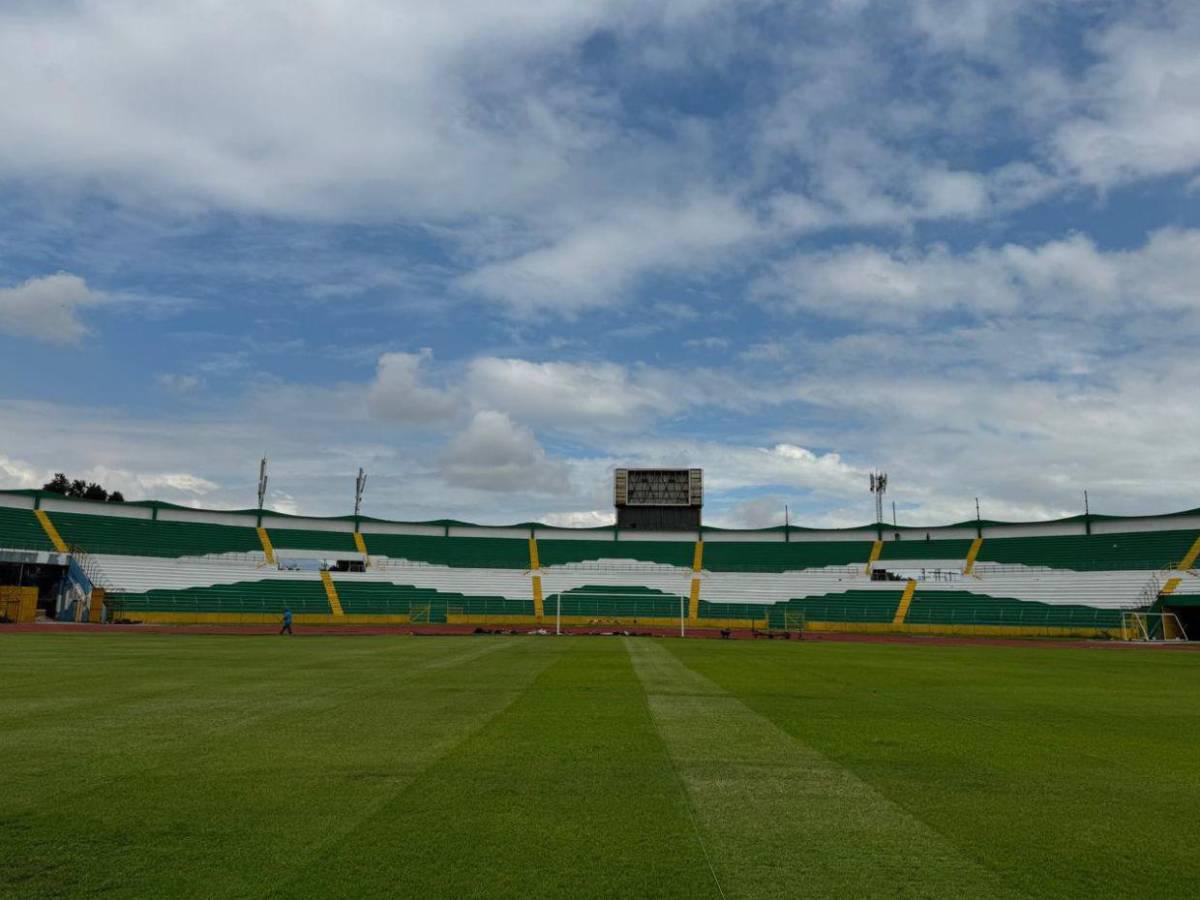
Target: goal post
{"points": [[1151, 626]]}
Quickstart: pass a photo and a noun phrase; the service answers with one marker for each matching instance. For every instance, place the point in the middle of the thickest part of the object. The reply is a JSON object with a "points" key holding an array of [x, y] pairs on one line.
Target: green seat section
{"points": [[732, 610], [966, 608], [848, 606], [462, 552], [267, 596], [746, 556], [1096, 552], [299, 539], [380, 599], [672, 553], [845, 606], [609, 601], [922, 549], [20, 530], [143, 537]]}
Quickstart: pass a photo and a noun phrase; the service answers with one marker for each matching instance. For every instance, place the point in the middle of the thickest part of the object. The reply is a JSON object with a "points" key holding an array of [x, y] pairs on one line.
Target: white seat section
{"points": [[1104, 590], [138, 574]]}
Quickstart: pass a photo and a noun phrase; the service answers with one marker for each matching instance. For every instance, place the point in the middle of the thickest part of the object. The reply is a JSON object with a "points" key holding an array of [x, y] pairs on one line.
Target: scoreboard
{"points": [[658, 499]]}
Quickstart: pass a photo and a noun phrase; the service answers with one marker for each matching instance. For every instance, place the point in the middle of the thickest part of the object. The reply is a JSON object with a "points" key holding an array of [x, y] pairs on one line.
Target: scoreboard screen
{"points": [[658, 487]]}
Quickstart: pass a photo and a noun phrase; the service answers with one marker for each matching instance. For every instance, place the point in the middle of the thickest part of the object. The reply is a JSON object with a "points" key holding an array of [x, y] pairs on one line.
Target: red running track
{"points": [[48, 627]]}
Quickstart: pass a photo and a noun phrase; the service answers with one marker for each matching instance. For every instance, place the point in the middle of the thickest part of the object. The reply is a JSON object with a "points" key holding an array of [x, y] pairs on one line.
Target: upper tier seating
{"points": [[270, 596], [300, 539], [20, 530], [1096, 552], [462, 552], [744, 556], [143, 537], [919, 548], [560, 552]]}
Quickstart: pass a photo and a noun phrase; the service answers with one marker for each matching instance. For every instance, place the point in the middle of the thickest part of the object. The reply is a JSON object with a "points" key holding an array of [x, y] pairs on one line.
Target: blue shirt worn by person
{"points": [[287, 617]]}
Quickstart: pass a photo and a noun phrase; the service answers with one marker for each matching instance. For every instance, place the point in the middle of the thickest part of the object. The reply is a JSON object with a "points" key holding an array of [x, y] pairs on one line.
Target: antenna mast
{"points": [[879, 481], [360, 485], [262, 483]]}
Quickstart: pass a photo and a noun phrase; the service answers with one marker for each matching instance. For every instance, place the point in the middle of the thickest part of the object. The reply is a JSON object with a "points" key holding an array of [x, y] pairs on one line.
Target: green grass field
{"points": [[138, 765]]}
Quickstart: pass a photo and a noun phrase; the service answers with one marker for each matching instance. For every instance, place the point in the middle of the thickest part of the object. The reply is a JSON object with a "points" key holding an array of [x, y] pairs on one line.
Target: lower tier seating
{"points": [[964, 608], [850, 606], [383, 599], [845, 606], [613, 601], [267, 596]]}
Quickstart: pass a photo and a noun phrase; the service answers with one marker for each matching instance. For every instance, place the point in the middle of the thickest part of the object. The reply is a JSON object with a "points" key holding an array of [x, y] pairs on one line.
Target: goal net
{"points": [[1152, 626]]}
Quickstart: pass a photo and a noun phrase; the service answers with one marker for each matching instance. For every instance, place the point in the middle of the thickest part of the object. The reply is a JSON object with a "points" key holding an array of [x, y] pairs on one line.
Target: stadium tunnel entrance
{"points": [[1187, 609], [63, 590]]}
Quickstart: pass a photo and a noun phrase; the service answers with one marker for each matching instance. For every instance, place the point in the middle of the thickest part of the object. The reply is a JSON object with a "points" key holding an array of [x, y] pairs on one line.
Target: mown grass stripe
{"points": [[781, 819], [568, 793]]}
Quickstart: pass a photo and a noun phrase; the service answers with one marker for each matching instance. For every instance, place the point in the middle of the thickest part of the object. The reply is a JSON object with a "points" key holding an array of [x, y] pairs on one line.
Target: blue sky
{"points": [[489, 253]]}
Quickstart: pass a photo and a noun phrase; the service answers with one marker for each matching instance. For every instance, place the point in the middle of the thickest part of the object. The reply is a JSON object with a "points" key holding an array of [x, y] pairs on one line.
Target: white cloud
{"points": [[1141, 115], [177, 481], [758, 512], [17, 473], [587, 518], [47, 308], [496, 454], [398, 393], [560, 393], [597, 260], [1068, 278], [307, 109]]}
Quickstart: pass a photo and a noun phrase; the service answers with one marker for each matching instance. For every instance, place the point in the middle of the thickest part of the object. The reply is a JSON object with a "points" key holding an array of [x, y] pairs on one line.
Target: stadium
{"points": [[625, 306], [1089, 576], [518, 714]]}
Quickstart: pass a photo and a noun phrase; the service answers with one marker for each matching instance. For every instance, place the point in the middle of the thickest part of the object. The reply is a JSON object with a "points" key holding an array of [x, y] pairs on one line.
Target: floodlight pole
{"points": [[262, 487], [360, 485]]}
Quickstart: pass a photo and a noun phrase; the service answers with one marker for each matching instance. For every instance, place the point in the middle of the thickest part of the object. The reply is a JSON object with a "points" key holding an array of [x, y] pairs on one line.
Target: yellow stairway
{"points": [[905, 603], [535, 567], [51, 532], [876, 549], [1189, 561], [694, 597], [969, 567], [331, 592], [265, 540]]}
